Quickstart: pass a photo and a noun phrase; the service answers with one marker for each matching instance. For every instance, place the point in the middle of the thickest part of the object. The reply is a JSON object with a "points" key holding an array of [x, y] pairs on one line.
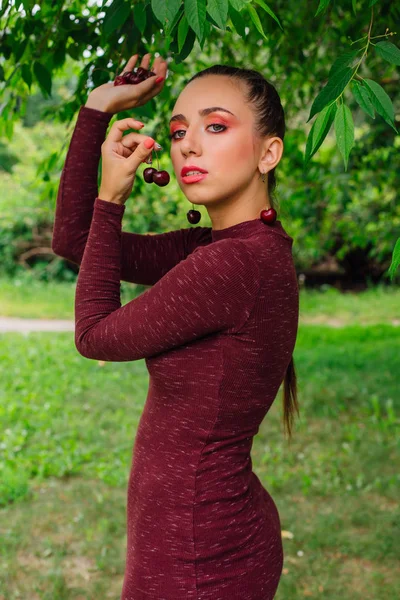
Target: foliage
{"points": [[38, 39]]}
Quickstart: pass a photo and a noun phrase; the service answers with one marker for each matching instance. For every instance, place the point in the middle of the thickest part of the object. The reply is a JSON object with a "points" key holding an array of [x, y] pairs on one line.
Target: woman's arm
{"points": [[213, 290], [145, 258]]}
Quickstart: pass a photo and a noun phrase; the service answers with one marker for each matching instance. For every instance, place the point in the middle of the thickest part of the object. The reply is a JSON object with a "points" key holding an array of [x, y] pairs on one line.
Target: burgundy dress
{"points": [[217, 329]]}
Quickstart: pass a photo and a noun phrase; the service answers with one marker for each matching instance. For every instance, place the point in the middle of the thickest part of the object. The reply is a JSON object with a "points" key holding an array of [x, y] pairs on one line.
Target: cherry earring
{"points": [[193, 216], [267, 216]]}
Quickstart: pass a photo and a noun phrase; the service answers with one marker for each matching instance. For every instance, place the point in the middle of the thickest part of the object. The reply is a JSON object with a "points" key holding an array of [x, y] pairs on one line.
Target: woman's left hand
{"points": [[121, 156]]}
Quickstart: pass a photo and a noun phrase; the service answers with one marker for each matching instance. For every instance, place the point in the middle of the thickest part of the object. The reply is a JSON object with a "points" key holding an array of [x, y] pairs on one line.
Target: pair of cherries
{"points": [[137, 75], [151, 175]]}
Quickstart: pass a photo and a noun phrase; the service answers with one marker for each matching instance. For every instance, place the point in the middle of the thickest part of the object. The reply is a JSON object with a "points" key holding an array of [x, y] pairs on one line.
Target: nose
{"points": [[189, 144]]}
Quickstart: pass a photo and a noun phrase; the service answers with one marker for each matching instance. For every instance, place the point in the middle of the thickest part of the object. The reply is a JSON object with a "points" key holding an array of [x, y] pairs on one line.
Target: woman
{"points": [[217, 328]]}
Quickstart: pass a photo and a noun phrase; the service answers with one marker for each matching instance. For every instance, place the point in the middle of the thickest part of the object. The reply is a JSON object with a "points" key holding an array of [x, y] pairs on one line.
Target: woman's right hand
{"points": [[116, 98]]}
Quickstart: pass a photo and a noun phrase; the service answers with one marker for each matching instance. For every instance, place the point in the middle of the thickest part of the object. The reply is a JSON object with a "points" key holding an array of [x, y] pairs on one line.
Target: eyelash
{"points": [[172, 135]]}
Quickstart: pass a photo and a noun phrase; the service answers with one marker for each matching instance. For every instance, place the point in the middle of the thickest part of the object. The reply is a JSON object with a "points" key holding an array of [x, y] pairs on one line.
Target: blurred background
{"points": [[67, 424]]}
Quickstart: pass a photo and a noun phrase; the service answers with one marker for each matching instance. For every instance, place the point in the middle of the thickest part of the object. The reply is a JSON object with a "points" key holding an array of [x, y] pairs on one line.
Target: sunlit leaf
{"points": [[319, 130], [363, 98], [344, 130], [389, 52], [333, 89], [381, 101]]}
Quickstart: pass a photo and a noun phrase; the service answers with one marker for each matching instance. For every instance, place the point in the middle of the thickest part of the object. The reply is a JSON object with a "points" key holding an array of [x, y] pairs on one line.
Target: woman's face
{"points": [[220, 142]]}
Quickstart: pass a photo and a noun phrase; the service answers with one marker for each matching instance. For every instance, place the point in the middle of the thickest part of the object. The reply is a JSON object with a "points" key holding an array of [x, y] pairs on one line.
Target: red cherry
{"points": [[193, 216], [142, 72], [119, 80], [268, 216], [134, 78], [161, 178], [148, 174]]}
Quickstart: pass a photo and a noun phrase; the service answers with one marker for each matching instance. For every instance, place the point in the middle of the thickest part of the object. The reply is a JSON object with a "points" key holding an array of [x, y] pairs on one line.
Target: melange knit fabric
{"points": [[217, 329]]}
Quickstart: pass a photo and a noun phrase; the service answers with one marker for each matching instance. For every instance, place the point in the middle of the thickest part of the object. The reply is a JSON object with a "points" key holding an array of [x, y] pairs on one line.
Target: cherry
{"points": [[193, 216], [133, 77], [148, 174], [268, 216], [161, 178], [119, 80]]}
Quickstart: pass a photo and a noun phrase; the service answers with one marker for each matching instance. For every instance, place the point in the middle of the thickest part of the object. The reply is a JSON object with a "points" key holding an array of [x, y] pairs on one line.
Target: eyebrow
{"points": [[202, 112]]}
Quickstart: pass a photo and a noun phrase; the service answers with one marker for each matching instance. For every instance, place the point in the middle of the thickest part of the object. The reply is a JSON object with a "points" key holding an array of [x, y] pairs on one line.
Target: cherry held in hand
{"points": [[160, 178], [133, 77]]}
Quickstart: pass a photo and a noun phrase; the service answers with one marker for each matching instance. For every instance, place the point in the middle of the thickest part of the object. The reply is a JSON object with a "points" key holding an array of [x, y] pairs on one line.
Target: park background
{"points": [[67, 424]]}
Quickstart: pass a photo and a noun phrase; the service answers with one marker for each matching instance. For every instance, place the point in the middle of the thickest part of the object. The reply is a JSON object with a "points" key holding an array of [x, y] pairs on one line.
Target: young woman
{"points": [[217, 327]]}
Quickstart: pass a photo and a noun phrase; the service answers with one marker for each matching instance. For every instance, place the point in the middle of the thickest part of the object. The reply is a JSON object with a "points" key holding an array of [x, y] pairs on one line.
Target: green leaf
{"points": [[218, 10], [239, 4], [59, 56], [195, 11], [43, 77], [26, 75], [322, 6], [372, 2], [319, 130], [206, 34], [256, 20], [159, 8], [343, 61], [139, 17], [333, 89], [344, 130], [116, 15], [237, 21], [172, 23], [183, 29], [381, 101], [28, 5], [269, 11], [187, 46], [173, 7], [354, 6], [389, 52], [363, 98], [395, 260], [20, 49]]}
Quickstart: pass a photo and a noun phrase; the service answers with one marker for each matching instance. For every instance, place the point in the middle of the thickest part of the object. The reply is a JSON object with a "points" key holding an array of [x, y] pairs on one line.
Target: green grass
{"points": [[56, 301], [67, 427]]}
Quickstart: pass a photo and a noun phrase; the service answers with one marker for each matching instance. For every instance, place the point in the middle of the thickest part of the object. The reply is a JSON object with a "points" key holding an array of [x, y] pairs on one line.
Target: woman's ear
{"points": [[271, 154]]}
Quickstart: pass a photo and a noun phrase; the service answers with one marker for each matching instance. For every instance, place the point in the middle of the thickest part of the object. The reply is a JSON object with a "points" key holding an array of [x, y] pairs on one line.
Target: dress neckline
{"points": [[249, 228]]}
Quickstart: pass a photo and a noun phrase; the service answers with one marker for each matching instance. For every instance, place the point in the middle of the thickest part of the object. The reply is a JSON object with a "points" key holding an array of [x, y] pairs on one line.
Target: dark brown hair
{"points": [[269, 121]]}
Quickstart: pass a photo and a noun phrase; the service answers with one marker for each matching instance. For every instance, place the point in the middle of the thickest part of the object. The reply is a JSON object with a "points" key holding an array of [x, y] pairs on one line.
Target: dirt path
{"points": [[25, 326]]}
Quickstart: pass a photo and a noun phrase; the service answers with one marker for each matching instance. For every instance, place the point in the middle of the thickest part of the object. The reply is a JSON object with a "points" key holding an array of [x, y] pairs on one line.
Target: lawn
{"points": [[67, 427]]}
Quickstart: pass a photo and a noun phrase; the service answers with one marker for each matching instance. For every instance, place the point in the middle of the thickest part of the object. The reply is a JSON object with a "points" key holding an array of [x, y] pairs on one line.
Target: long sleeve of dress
{"points": [[212, 290], [145, 258]]}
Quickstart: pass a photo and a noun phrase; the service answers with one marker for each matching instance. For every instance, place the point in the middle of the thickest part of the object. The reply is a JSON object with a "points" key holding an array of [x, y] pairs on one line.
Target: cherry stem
{"points": [[158, 162]]}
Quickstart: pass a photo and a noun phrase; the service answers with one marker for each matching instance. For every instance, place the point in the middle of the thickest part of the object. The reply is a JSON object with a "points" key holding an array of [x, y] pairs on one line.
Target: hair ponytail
{"points": [[290, 403]]}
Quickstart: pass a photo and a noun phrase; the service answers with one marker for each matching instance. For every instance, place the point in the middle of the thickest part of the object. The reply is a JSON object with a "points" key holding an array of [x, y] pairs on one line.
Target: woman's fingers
{"points": [[118, 127], [146, 60], [130, 64], [157, 65], [131, 139]]}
